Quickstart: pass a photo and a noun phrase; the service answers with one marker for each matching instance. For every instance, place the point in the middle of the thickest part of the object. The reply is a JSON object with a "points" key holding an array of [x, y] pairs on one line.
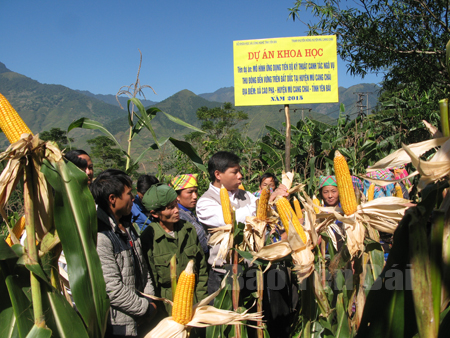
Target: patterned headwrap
{"points": [[400, 172], [326, 181], [357, 183], [185, 181], [379, 190]]}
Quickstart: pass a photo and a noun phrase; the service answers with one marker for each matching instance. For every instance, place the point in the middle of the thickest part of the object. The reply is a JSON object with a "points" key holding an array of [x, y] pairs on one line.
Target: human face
{"points": [[89, 170], [121, 205], [330, 195], [231, 178], [188, 197], [170, 215], [267, 182]]}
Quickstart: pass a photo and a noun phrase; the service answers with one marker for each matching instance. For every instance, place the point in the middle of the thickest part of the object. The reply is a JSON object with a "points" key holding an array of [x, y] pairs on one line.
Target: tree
{"points": [[218, 123], [403, 39], [57, 135], [219, 132], [105, 155]]}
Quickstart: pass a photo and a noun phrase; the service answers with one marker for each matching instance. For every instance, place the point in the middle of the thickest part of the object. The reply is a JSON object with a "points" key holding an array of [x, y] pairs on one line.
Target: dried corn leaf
{"points": [[435, 133], [437, 168], [384, 183], [209, 315], [401, 157]]}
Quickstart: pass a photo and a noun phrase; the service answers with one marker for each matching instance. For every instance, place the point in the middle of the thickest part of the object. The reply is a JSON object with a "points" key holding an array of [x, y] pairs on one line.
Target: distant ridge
{"points": [[111, 99], [44, 106]]}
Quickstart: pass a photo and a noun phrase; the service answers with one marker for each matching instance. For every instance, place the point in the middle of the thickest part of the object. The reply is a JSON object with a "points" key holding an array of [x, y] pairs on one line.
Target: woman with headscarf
{"points": [[186, 187], [329, 194]]}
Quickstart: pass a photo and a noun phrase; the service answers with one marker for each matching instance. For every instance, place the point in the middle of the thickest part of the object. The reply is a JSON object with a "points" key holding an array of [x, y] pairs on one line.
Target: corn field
{"points": [[350, 292]]}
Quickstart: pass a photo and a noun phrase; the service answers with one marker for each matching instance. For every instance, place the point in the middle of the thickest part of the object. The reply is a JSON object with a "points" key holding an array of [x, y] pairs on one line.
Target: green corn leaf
{"points": [[20, 303], [190, 151], [86, 123], [342, 328], [76, 223], [61, 318], [39, 332]]}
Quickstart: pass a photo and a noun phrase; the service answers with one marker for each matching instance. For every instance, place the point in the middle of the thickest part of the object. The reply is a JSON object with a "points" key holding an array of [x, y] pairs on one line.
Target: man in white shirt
{"points": [[224, 169]]}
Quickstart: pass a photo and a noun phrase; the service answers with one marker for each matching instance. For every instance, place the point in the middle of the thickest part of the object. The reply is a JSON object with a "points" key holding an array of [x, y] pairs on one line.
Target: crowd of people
{"points": [[139, 234]]}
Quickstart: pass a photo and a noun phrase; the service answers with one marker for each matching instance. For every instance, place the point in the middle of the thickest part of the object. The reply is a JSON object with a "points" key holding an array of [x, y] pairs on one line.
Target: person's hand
{"points": [[280, 191]]}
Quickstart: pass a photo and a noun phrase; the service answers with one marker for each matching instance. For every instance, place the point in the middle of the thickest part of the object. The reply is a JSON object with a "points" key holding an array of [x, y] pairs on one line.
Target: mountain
{"points": [[43, 106], [111, 99], [347, 96], [225, 94]]}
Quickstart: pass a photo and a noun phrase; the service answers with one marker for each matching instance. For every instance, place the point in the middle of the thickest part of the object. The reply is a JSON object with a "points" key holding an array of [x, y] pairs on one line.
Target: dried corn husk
{"points": [[435, 133], [401, 157], [383, 214], [26, 148], [254, 233], [272, 252], [437, 168], [303, 263], [204, 315], [287, 178], [220, 236]]}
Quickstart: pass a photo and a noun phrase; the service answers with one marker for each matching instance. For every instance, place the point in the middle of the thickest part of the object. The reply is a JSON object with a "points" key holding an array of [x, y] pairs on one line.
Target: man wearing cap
{"points": [[187, 190], [168, 235]]}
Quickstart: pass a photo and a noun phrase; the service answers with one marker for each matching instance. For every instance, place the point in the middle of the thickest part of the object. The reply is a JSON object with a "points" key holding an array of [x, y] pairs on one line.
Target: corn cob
{"points": [[316, 202], [398, 190], [241, 186], [10, 122], [263, 204], [298, 208], [371, 192], [225, 201], [287, 214], [17, 230], [345, 185], [184, 296]]}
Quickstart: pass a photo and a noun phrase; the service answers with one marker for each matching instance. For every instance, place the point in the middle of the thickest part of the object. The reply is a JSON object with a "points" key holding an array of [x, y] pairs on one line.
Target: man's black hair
{"points": [[267, 175], [145, 182], [110, 181], [72, 156], [221, 161]]}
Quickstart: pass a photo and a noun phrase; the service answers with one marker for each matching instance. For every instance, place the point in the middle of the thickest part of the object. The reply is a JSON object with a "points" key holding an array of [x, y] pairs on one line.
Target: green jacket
{"points": [[159, 247]]}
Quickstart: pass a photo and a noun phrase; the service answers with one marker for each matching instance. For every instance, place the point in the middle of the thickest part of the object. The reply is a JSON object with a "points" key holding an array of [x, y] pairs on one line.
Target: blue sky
{"points": [[93, 45]]}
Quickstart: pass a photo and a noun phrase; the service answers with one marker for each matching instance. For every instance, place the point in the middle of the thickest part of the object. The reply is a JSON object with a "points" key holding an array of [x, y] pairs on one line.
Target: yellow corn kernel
{"points": [[225, 202], [263, 204], [298, 208], [184, 297], [345, 185], [241, 186], [398, 190], [316, 202], [287, 215], [10, 122], [17, 230], [371, 192]]}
